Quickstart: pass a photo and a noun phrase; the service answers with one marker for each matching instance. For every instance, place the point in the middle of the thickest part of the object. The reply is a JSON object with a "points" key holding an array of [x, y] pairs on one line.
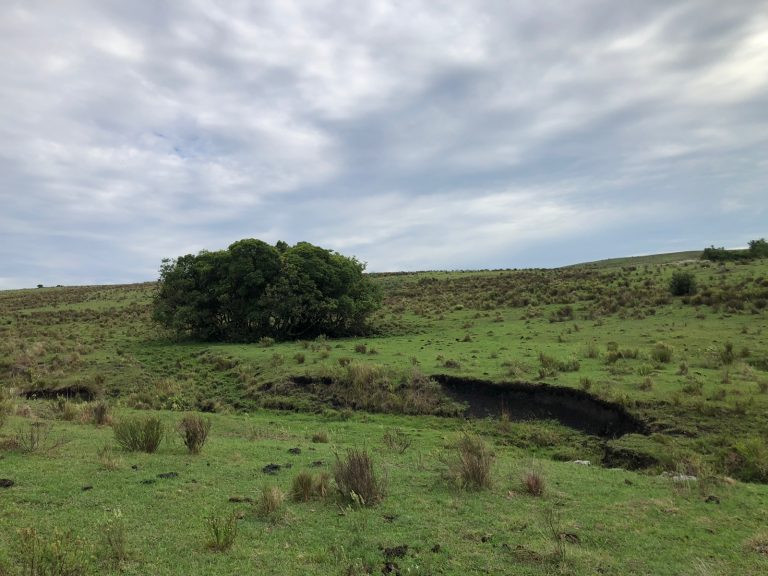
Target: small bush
{"points": [[397, 440], [727, 355], [320, 437], [270, 504], [61, 554], [356, 478], [194, 430], [114, 538], [222, 531], [473, 464], [682, 283], [139, 434], [32, 437]]}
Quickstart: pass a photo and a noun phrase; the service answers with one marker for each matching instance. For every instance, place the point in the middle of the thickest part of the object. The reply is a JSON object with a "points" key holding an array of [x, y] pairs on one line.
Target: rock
{"points": [[679, 477]]}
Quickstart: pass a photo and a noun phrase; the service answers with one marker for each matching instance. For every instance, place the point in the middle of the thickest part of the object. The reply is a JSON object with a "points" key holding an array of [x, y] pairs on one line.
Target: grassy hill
{"points": [[683, 493]]}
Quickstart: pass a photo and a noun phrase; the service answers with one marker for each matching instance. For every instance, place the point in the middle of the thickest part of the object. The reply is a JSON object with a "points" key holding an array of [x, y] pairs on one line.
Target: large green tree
{"points": [[252, 290]]}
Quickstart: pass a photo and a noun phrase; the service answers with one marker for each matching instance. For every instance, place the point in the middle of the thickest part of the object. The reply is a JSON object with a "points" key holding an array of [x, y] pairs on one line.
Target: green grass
{"points": [[625, 522], [695, 369]]}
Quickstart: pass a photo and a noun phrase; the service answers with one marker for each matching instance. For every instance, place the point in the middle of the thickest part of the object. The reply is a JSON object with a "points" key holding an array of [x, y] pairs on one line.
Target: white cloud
{"points": [[415, 135]]}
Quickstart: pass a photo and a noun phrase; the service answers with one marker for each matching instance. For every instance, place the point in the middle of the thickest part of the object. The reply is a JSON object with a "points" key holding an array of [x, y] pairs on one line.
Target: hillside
{"points": [[587, 346]]}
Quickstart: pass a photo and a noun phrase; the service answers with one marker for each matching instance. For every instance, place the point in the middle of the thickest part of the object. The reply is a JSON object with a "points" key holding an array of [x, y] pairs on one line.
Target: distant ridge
{"points": [[667, 258]]}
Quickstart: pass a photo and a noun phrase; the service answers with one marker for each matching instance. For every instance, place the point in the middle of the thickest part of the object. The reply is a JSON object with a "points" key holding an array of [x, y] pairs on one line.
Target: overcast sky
{"points": [[413, 135]]}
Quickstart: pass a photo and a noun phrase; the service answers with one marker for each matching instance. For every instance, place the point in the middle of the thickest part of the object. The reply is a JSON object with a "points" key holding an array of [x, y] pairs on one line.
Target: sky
{"points": [[412, 135]]}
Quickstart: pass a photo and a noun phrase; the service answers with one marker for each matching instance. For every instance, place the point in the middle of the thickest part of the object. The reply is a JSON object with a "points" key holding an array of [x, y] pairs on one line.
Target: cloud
{"points": [[414, 136]]}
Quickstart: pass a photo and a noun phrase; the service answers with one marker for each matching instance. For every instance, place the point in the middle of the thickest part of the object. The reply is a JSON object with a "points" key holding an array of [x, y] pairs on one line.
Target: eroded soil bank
{"points": [[527, 401]]}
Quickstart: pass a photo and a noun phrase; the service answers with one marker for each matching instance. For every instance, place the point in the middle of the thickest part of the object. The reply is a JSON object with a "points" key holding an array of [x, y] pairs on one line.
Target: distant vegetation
{"points": [[255, 291], [757, 249]]}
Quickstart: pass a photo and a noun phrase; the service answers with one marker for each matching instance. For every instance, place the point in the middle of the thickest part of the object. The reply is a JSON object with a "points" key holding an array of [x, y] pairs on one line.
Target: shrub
{"points": [[726, 355], [222, 531], [473, 463], [194, 430], [270, 504], [113, 535], [397, 440], [682, 283], [139, 434], [61, 554], [662, 353], [356, 478], [32, 437]]}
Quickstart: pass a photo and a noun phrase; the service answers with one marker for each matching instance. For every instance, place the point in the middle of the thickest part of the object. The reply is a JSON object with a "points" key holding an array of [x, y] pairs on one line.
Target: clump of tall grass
{"points": [[471, 463], [222, 531], [270, 506], [532, 480], [356, 478], [139, 434], [193, 430], [662, 353], [307, 486], [98, 413]]}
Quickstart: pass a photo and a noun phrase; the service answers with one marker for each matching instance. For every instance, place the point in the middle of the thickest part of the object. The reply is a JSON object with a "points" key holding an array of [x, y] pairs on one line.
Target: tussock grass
{"points": [[193, 430], [356, 478], [139, 434]]}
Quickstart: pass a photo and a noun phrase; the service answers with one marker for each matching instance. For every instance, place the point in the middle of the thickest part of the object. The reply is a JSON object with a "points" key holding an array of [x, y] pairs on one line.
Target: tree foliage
{"points": [[254, 290], [757, 249]]}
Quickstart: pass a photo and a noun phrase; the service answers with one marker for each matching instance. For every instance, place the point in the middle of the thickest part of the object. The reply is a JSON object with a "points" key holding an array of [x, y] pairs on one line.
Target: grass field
{"points": [[685, 495]]}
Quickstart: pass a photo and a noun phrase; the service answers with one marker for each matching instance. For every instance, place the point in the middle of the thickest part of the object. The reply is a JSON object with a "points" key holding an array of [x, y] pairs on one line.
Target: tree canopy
{"points": [[253, 290]]}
